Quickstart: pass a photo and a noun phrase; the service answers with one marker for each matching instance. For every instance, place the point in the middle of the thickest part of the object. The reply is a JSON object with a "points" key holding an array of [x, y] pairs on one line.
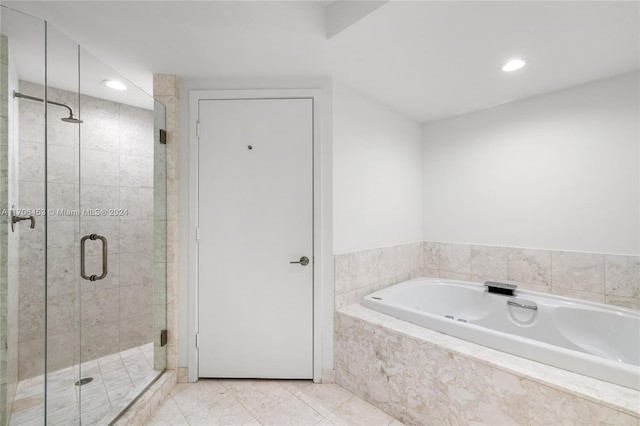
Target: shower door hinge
{"points": [[197, 234], [163, 136], [163, 338], [197, 129], [197, 340]]}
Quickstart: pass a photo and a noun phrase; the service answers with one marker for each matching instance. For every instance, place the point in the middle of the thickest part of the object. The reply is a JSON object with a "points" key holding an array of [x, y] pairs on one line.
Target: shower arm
{"points": [[33, 98]]}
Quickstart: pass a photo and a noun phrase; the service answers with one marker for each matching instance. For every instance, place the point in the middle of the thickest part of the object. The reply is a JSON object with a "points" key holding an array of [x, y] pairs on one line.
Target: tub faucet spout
{"points": [[500, 288]]}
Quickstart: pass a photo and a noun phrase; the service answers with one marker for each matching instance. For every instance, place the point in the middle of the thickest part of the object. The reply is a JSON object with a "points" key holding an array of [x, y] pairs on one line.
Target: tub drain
{"points": [[84, 381]]}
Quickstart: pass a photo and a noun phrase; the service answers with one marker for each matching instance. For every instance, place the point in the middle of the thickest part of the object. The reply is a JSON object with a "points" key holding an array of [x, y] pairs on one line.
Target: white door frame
{"points": [[322, 239]]}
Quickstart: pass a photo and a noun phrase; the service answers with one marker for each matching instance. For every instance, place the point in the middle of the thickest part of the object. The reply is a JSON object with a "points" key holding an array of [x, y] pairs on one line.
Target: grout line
{"points": [[177, 405], [320, 414]]}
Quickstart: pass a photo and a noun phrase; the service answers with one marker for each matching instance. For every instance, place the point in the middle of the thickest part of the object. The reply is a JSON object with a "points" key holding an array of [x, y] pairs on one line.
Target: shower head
{"points": [[71, 119]]}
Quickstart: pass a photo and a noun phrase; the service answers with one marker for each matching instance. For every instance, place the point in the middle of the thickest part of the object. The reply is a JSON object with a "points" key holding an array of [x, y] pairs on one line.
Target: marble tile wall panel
{"points": [[603, 278], [98, 168], [420, 383], [488, 263], [430, 258], [529, 268], [360, 273], [455, 258], [578, 271]]}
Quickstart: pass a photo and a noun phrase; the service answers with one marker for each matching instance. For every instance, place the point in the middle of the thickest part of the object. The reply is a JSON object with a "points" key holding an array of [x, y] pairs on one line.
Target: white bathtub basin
{"points": [[593, 339]]}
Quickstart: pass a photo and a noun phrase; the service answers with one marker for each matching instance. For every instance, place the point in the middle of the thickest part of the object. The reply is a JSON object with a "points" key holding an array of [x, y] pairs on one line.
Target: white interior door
{"points": [[255, 217]]}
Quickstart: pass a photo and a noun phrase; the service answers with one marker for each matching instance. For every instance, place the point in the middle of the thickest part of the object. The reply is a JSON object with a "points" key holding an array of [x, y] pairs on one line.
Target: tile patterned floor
{"points": [[114, 377], [265, 402]]}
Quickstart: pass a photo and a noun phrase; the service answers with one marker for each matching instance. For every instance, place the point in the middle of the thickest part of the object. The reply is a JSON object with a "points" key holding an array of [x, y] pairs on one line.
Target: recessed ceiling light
{"points": [[514, 64], [114, 84]]}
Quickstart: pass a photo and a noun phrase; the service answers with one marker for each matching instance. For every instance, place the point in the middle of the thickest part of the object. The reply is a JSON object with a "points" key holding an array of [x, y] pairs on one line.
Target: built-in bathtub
{"points": [[593, 339]]}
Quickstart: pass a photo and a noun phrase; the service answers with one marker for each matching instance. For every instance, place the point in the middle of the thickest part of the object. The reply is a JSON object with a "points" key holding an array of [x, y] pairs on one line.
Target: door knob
{"points": [[304, 261]]}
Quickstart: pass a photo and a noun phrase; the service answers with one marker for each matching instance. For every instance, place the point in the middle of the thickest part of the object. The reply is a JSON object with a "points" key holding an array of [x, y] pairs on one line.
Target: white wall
{"points": [[377, 174], [556, 171]]}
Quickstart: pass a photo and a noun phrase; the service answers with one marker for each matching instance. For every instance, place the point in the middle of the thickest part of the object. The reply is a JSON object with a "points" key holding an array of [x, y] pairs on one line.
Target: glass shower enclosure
{"points": [[82, 232]]}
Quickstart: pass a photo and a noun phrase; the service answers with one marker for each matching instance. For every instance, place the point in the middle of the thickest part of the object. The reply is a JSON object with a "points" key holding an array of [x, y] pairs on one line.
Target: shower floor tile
{"points": [[266, 402], [114, 378]]}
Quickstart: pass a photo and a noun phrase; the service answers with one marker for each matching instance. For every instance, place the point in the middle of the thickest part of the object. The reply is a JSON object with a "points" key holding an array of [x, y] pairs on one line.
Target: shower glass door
{"points": [[60, 226], [83, 286], [116, 234]]}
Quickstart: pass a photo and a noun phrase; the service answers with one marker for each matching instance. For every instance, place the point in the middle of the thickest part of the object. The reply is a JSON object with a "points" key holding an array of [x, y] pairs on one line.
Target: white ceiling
{"points": [[426, 59], [437, 59]]}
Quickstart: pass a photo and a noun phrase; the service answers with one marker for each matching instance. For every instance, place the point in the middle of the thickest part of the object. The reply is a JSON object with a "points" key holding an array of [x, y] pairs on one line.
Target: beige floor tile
{"points": [[117, 394], [192, 397], [168, 414], [93, 415], [109, 359], [291, 411], [142, 375], [116, 378], [258, 396], [148, 352], [65, 415], [37, 381], [29, 391], [38, 421], [133, 352], [266, 402], [224, 410], [95, 389], [324, 398], [28, 415], [295, 386], [26, 403], [114, 364], [62, 399], [358, 412]]}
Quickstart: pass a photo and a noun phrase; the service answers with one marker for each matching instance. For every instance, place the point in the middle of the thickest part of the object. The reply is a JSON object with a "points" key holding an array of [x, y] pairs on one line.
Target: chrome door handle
{"points": [[304, 261], [94, 237]]}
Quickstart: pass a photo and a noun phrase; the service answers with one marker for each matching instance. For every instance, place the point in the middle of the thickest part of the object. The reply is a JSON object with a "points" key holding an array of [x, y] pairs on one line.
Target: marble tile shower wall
{"points": [[116, 172], [604, 278]]}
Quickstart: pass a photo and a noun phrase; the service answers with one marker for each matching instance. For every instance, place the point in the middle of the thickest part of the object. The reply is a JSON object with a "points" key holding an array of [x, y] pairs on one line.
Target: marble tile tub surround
{"points": [[421, 376], [116, 173], [605, 278]]}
